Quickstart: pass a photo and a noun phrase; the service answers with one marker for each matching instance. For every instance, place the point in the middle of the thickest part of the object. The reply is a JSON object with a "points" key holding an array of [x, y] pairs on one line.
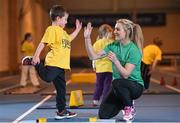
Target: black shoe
{"points": [[65, 114], [27, 60]]}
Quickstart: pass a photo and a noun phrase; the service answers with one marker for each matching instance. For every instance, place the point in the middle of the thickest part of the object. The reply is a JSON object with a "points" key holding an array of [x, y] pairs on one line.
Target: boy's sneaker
{"points": [[27, 60], [65, 114], [129, 113]]}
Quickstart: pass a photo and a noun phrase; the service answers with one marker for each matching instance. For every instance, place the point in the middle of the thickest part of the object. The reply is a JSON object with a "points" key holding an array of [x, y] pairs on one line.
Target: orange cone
{"points": [[174, 82], [162, 82]]}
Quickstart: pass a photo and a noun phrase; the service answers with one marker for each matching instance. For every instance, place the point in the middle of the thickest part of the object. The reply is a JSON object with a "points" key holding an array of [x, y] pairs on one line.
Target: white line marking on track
{"points": [[167, 86], [32, 109], [38, 104]]}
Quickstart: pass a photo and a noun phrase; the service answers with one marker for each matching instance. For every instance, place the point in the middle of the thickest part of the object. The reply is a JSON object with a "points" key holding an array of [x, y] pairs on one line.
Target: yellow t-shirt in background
{"points": [[103, 64], [151, 53], [59, 43], [28, 48]]}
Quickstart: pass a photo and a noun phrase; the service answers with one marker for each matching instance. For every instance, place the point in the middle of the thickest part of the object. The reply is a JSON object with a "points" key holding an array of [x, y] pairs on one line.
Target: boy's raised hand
{"points": [[77, 30], [87, 30], [78, 24]]}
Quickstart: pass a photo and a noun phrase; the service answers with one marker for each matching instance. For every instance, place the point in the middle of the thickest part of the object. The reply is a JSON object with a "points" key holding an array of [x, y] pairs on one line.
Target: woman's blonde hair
{"points": [[104, 30], [134, 32]]}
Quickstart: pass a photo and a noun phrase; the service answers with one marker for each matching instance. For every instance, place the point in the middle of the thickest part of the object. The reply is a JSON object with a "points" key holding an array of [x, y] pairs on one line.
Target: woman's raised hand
{"points": [[87, 31]]}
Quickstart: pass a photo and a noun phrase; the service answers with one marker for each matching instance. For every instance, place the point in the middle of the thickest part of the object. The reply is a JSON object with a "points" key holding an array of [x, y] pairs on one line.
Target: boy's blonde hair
{"points": [[134, 32]]}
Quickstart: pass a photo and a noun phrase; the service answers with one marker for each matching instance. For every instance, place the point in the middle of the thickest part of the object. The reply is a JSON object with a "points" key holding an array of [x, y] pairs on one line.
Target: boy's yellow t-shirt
{"points": [[28, 48], [59, 43], [151, 53], [103, 64]]}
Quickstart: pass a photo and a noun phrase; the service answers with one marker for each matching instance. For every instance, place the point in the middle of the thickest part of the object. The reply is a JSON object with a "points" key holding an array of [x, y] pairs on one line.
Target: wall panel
{"points": [[4, 35]]}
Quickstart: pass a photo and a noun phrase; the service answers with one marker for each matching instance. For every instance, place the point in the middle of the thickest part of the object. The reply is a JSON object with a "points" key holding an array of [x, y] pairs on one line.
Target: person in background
{"points": [[103, 66], [28, 71], [125, 53], [152, 54], [58, 58]]}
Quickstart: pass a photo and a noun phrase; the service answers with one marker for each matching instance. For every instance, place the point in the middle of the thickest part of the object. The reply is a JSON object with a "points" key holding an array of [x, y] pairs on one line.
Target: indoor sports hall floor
{"points": [[160, 104]]}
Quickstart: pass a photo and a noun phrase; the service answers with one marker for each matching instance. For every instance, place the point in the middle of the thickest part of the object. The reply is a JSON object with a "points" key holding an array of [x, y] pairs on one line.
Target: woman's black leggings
{"points": [[121, 94]]}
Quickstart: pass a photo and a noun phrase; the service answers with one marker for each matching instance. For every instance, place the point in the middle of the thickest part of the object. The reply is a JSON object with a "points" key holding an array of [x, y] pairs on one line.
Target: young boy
{"points": [[58, 58]]}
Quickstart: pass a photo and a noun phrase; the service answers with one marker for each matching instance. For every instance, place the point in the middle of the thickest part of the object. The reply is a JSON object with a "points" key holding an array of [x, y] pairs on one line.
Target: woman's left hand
{"points": [[112, 57]]}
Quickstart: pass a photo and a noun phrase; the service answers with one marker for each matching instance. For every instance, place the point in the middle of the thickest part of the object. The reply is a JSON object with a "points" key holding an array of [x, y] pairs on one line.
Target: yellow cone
{"points": [[76, 98], [93, 119], [41, 120]]}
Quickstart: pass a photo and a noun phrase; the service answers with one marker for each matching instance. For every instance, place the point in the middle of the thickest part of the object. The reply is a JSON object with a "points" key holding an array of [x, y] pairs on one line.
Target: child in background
{"points": [[58, 58], [103, 66], [152, 54], [27, 49]]}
